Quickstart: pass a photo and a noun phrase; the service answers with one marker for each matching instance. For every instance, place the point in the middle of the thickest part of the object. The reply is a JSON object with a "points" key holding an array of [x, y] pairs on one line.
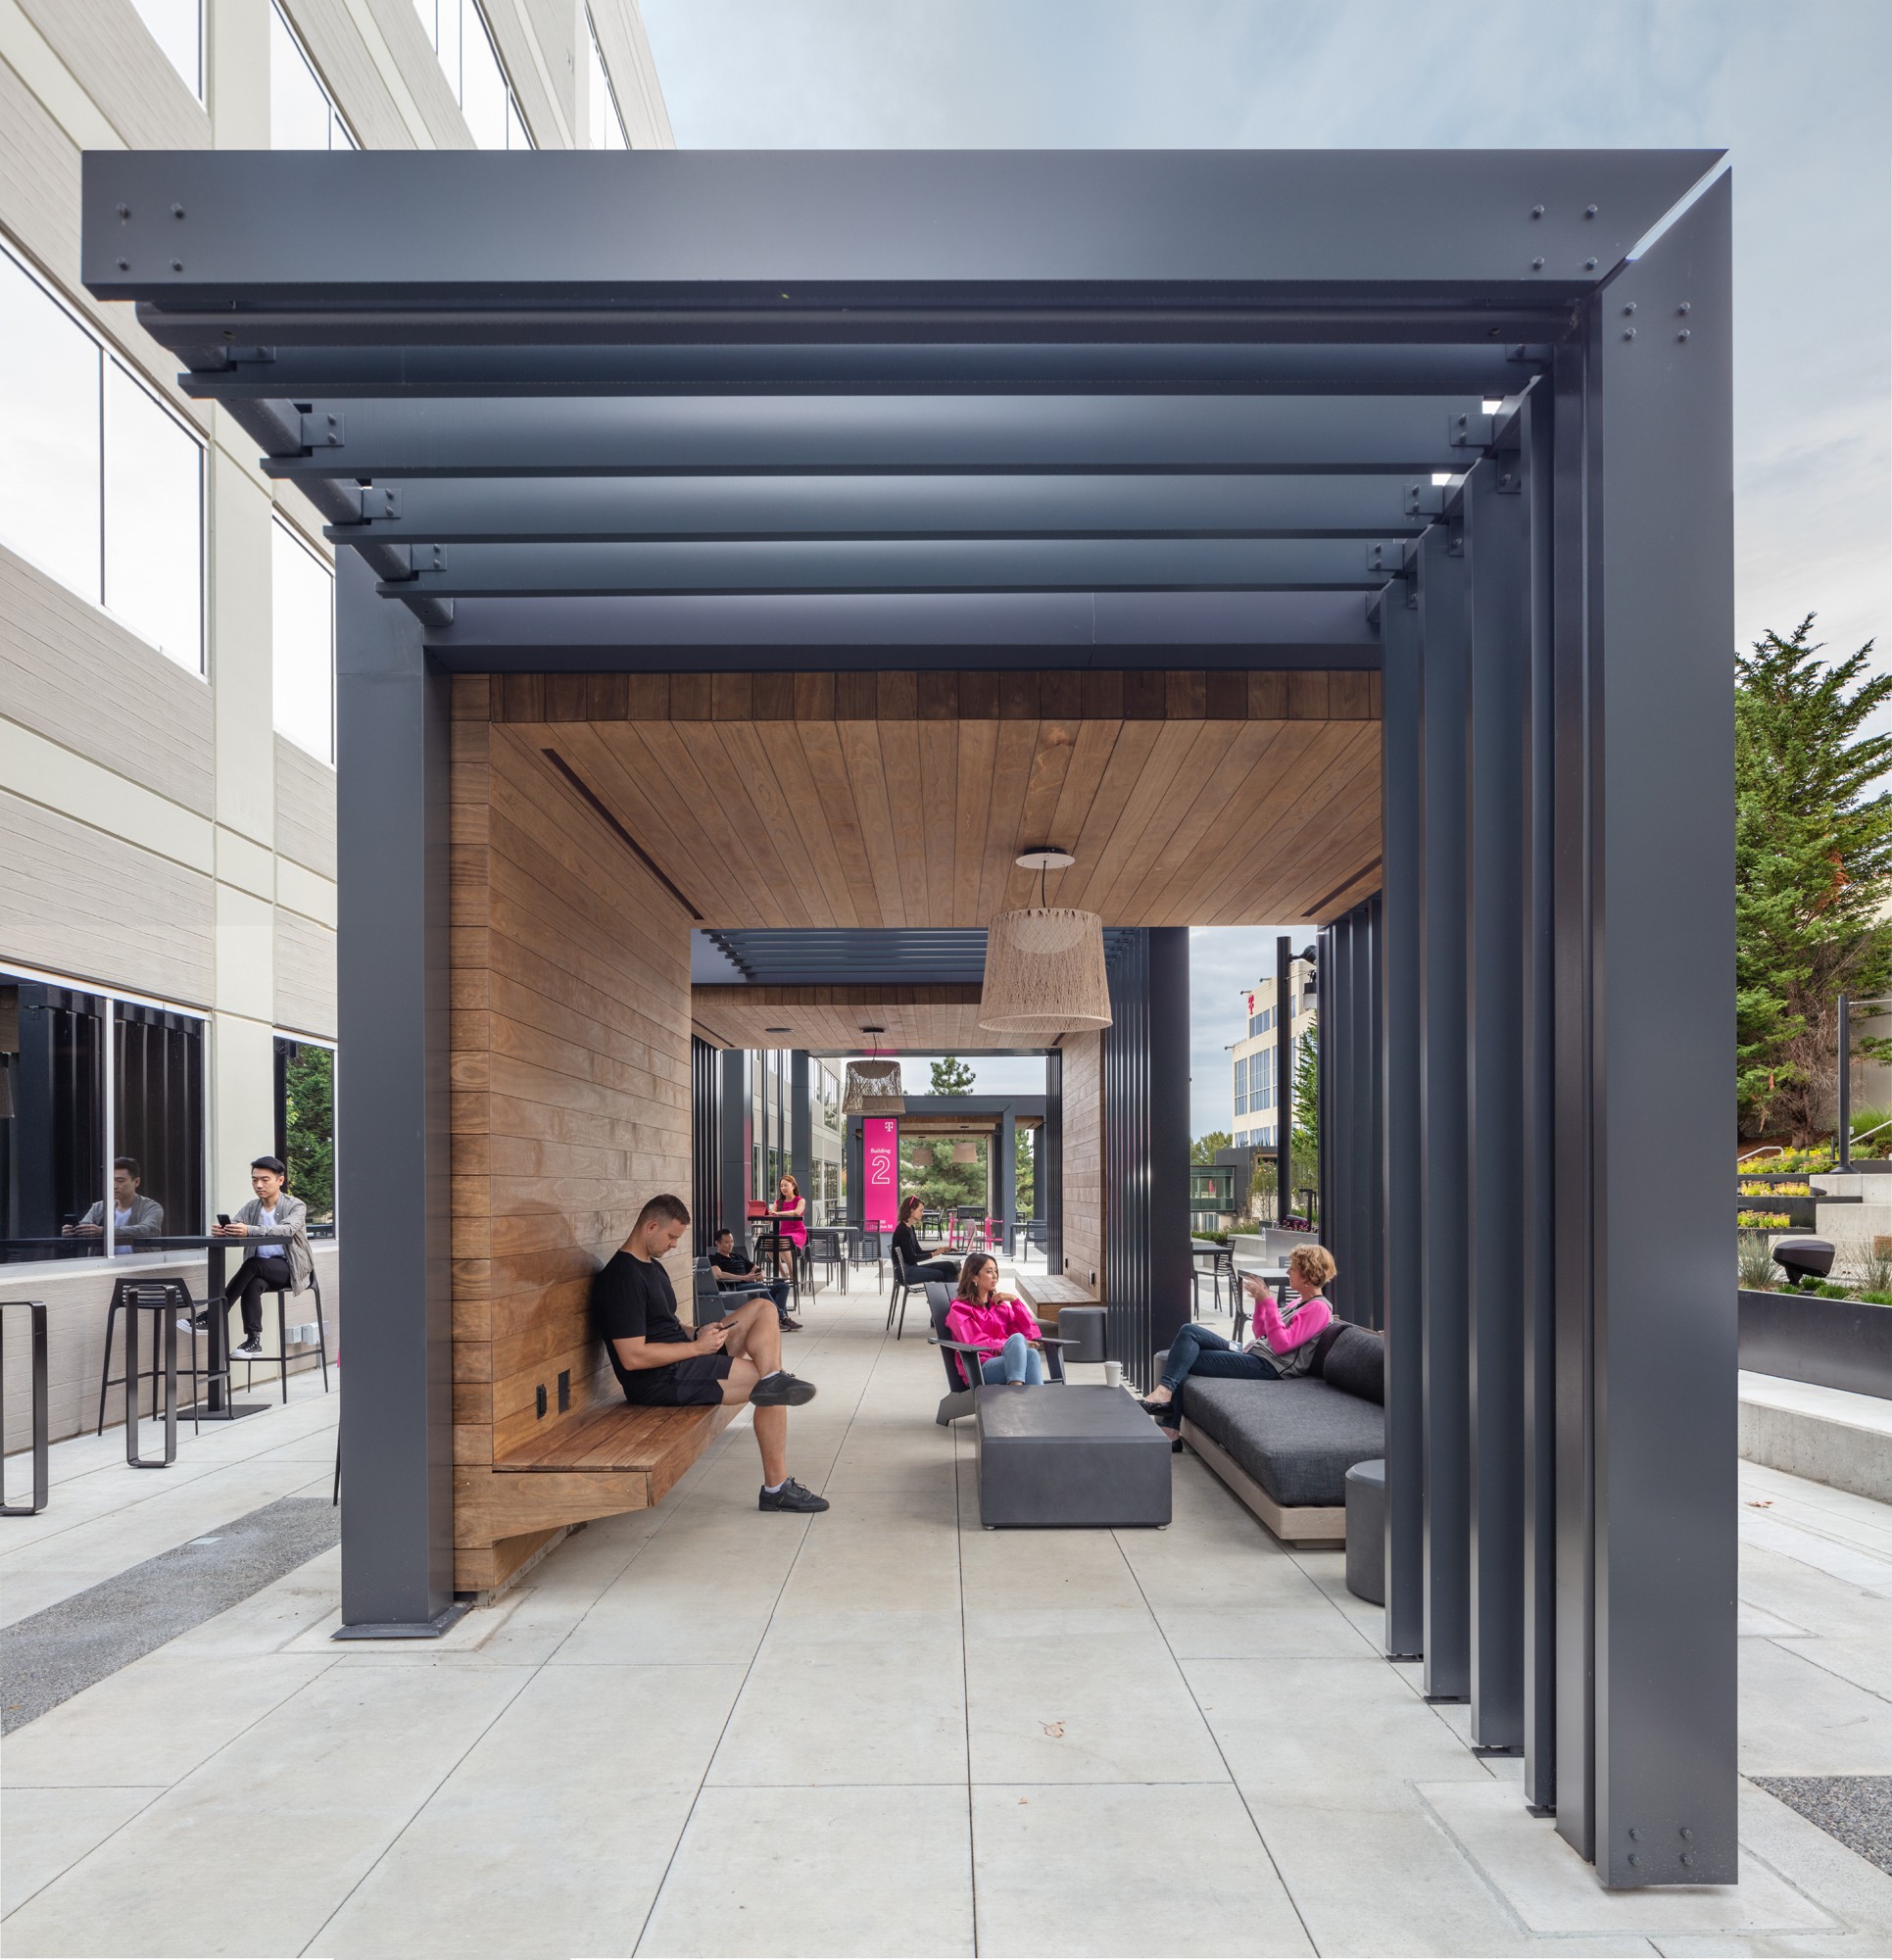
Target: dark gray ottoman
{"points": [[1084, 1325], [1062, 1455], [1366, 1531]]}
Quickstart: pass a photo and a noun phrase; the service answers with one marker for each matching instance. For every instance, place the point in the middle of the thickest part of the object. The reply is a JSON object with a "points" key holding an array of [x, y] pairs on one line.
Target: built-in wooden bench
{"points": [[1051, 1291], [590, 1463]]}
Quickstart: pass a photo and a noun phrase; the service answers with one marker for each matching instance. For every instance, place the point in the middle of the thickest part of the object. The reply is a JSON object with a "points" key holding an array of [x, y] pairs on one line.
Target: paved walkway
{"points": [[882, 1731]]}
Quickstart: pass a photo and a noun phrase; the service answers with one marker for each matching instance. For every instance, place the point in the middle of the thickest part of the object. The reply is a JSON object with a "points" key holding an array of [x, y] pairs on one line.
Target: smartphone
{"points": [[223, 1217]]}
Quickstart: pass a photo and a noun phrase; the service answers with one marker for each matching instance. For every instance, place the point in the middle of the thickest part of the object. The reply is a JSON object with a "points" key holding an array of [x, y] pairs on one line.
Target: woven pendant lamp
{"points": [[1044, 970], [872, 1087], [965, 1151]]}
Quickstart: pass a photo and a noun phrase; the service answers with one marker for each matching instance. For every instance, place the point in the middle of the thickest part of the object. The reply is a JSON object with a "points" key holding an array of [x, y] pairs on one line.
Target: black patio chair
{"points": [[823, 1250], [903, 1286], [962, 1376], [714, 1299]]}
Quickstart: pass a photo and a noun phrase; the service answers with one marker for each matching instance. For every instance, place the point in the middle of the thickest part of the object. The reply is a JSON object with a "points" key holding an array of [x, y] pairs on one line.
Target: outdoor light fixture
{"points": [[965, 1151], [1044, 970], [873, 1087]]}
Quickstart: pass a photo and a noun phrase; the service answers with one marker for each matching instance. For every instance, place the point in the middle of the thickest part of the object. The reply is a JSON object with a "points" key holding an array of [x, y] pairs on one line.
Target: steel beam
{"points": [[394, 1117], [1497, 543], [713, 509], [778, 231], [1442, 1157], [284, 372], [1663, 967], [1093, 564], [878, 435], [1402, 840]]}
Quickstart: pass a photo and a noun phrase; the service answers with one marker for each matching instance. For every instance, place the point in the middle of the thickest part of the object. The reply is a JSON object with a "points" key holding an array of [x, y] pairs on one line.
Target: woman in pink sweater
{"points": [[1285, 1333], [1002, 1328]]}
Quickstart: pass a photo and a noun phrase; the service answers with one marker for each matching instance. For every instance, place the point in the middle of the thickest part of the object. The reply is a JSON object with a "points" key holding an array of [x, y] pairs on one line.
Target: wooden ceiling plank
{"points": [[821, 745], [1156, 805], [775, 838], [858, 743], [1008, 826], [1083, 779], [825, 877], [976, 785], [940, 786]]}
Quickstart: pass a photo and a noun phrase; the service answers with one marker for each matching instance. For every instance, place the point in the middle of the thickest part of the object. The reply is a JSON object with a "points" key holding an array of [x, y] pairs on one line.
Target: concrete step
{"points": [[1827, 1434]]}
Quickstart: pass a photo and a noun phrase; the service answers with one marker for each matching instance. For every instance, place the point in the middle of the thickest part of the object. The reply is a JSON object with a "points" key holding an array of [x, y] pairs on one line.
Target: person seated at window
{"points": [[919, 1264], [274, 1229], [734, 1270], [790, 1214], [999, 1325], [659, 1364], [133, 1215], [1287, 1332]]}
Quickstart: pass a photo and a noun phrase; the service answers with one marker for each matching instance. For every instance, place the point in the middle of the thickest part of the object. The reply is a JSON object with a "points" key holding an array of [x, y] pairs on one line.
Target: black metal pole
{"points": [[1845, 1083], [1283, 1080]]}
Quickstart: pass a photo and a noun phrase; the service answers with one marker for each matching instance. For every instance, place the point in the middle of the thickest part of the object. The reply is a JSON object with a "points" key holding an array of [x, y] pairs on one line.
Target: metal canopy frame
{"points": [[1460, 416]]}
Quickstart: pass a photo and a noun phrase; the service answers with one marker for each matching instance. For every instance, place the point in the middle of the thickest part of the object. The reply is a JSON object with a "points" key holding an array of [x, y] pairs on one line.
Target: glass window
{"points": [[49, 433], [154, 520], [158, 1124], [301, 114], [306, 1127], [302, 610], [604, 126], [457, 32], [177, 27]]}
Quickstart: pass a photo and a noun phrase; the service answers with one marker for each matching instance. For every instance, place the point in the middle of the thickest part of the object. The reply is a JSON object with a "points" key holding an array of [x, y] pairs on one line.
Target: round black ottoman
{"points": [[1366, 1531]]}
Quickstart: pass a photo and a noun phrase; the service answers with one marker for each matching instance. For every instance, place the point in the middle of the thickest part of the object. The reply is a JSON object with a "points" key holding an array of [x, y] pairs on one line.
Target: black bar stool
{"points": [[280, 1358], [121, 1287], [36, 1317], [169, 1300]]}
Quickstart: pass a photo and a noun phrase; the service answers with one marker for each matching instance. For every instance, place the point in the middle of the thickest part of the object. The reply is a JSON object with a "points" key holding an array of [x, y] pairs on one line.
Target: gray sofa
{"points": [[1285, 1448]]}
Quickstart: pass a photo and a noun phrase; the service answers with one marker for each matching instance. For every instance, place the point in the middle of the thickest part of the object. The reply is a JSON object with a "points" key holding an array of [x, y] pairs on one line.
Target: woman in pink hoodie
{"points": [[1001, 1327]]}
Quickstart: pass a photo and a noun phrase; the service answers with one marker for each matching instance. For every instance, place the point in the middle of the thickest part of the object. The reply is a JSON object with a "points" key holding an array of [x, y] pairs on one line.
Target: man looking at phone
{"points": [[275, 1230], [662, 1364]]}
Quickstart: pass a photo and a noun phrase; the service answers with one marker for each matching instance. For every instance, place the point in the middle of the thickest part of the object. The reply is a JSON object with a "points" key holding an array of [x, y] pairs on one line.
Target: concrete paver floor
{"points": [[701, 1730]]}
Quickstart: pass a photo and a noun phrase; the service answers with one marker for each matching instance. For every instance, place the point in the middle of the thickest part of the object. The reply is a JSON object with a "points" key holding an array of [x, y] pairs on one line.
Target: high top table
{"points": [[218, 1405]]}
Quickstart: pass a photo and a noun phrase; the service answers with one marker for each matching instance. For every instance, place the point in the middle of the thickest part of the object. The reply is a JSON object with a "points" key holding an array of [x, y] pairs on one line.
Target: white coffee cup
{"points": [[1113, 1374]]}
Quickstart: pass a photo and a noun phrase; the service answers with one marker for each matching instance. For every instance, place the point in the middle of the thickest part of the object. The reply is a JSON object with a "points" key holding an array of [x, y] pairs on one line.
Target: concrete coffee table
{"points": [[1061, 1456]]}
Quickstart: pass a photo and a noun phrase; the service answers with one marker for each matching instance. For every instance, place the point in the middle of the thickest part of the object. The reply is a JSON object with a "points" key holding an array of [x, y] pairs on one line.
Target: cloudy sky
{"points": [[1798, 94]]}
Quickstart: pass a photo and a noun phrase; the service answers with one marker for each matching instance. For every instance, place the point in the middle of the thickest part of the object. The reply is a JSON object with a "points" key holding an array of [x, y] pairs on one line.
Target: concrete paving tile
{"points": [[155, 1721], [1092, 1708], [47, 1831], [851, 1713], [880, 1871], [1868, 1570], [874, 1561], [311, 1796], [1088, 1868], [1261, 1634], [1306, 1725], [1553, 1891], [1850, 1887], [271, 1620], [1798, 1719], [1865, 1662], [1019, 1569], [1808, 1597], [1175, 1570], [514, 1855]]}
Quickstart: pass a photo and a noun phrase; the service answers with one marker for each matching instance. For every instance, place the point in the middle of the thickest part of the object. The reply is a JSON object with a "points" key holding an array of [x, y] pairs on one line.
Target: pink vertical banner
{"points": [[880, 1157]]}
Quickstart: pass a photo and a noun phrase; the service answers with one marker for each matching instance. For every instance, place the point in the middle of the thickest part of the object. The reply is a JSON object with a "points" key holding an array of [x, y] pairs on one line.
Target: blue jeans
{"points": [[1198, 1350], [1017, 1361]]}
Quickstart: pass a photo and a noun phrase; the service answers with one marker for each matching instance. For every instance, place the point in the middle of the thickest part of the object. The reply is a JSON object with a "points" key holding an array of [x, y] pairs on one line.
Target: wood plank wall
{"points": [[571, 1092], [1084, 1157]]}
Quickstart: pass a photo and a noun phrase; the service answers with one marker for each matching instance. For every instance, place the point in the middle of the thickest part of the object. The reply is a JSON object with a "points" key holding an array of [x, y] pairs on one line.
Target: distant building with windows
{"points": [[167, 897], [1252, 1058]]}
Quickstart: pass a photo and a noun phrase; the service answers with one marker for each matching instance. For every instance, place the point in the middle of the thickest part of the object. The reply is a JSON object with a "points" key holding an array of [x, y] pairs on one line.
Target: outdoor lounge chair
{"points": [[959, 1398]]}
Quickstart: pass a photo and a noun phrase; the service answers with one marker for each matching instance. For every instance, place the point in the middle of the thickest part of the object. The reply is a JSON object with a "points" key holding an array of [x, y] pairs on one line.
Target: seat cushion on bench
{"points": [[1296, 1439]]}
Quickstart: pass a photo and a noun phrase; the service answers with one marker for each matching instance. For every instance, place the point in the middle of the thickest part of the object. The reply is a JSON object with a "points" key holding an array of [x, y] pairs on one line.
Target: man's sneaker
{"points": [[781, 1389], [792, 1496], [250, 1350], [186, 1326], [789, 1326]]}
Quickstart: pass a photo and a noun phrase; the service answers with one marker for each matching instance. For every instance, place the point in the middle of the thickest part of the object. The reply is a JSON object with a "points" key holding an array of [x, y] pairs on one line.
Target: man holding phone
{"points": [[274, 1228], [662, 1364]]}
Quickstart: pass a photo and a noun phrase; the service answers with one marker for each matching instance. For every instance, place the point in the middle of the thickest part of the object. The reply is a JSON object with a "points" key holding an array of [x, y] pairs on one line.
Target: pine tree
{"points": [[951, 1077], [1813, 856]]}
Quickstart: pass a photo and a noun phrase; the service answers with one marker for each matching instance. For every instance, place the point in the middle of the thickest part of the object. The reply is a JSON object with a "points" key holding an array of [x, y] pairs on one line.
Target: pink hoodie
{"points": [[988, 1328]]}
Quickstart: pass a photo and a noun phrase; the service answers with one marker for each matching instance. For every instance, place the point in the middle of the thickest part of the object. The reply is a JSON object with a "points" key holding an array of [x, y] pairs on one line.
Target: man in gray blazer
{"points": [[134, 1216], [275, 1227]]}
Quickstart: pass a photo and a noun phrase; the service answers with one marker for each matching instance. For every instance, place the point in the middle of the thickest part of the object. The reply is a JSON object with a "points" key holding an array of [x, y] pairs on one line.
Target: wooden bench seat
{"points": [[592, 1463], [1042, 1290]]}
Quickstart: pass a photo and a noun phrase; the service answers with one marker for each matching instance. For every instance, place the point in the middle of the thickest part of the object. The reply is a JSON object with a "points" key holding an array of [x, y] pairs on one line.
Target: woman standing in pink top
{"points": [[1002, 1328], [790, 1212]]}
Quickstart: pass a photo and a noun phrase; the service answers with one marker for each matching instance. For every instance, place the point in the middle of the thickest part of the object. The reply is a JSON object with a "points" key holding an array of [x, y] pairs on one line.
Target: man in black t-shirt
{"points": [[732, 1270], [659, 1364]]}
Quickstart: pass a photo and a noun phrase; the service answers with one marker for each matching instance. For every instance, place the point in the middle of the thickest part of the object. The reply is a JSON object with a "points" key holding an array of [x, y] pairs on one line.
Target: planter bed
{"points": [[1837, 1343]]}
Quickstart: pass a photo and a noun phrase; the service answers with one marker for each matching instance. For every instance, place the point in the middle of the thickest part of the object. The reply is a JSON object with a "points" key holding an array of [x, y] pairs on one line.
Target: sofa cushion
{"points": [[1296, 1439], [1356, 1362]]}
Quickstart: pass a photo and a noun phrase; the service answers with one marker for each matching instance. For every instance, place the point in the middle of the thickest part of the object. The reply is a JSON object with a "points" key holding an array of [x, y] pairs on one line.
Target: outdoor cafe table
{"points": [[1219, 1258]]}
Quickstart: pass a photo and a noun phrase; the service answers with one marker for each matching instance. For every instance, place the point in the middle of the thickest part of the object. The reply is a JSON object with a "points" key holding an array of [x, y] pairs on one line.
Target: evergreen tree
{"points": [[951, 1077], [1812, 854], [308, 1091], [1203, 1150]]}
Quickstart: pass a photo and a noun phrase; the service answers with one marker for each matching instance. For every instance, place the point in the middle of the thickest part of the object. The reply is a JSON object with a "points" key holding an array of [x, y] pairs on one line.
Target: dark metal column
{"points": [[733, 1141], [1445, 1325], [1165, 1166], [394, 1116], [1497, 532], [1660, 630], [706, 1208], [1050, 1183], [801, 1124], [1283, 1079], [1402, 833], [1007, 1177]]}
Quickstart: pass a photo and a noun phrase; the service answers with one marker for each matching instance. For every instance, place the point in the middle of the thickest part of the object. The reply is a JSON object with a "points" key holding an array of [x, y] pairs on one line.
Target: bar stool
{"points": [[121, 1287], [281, 1356], [167, 1299]]}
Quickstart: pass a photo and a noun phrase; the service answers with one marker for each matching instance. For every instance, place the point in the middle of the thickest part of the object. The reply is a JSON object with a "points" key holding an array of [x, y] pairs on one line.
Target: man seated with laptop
{"points": [[659, 1364], [735, 1272]]}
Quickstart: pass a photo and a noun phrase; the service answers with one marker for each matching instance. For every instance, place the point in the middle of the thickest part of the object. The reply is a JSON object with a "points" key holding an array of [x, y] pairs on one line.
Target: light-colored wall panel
{"points": [[627, 49], [78, 901], [305, 808], [77, 677], [529, 67], [417, 72], [1084, 1157], [242, 659], [115, 60], [350, 74], [304, 965]]}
